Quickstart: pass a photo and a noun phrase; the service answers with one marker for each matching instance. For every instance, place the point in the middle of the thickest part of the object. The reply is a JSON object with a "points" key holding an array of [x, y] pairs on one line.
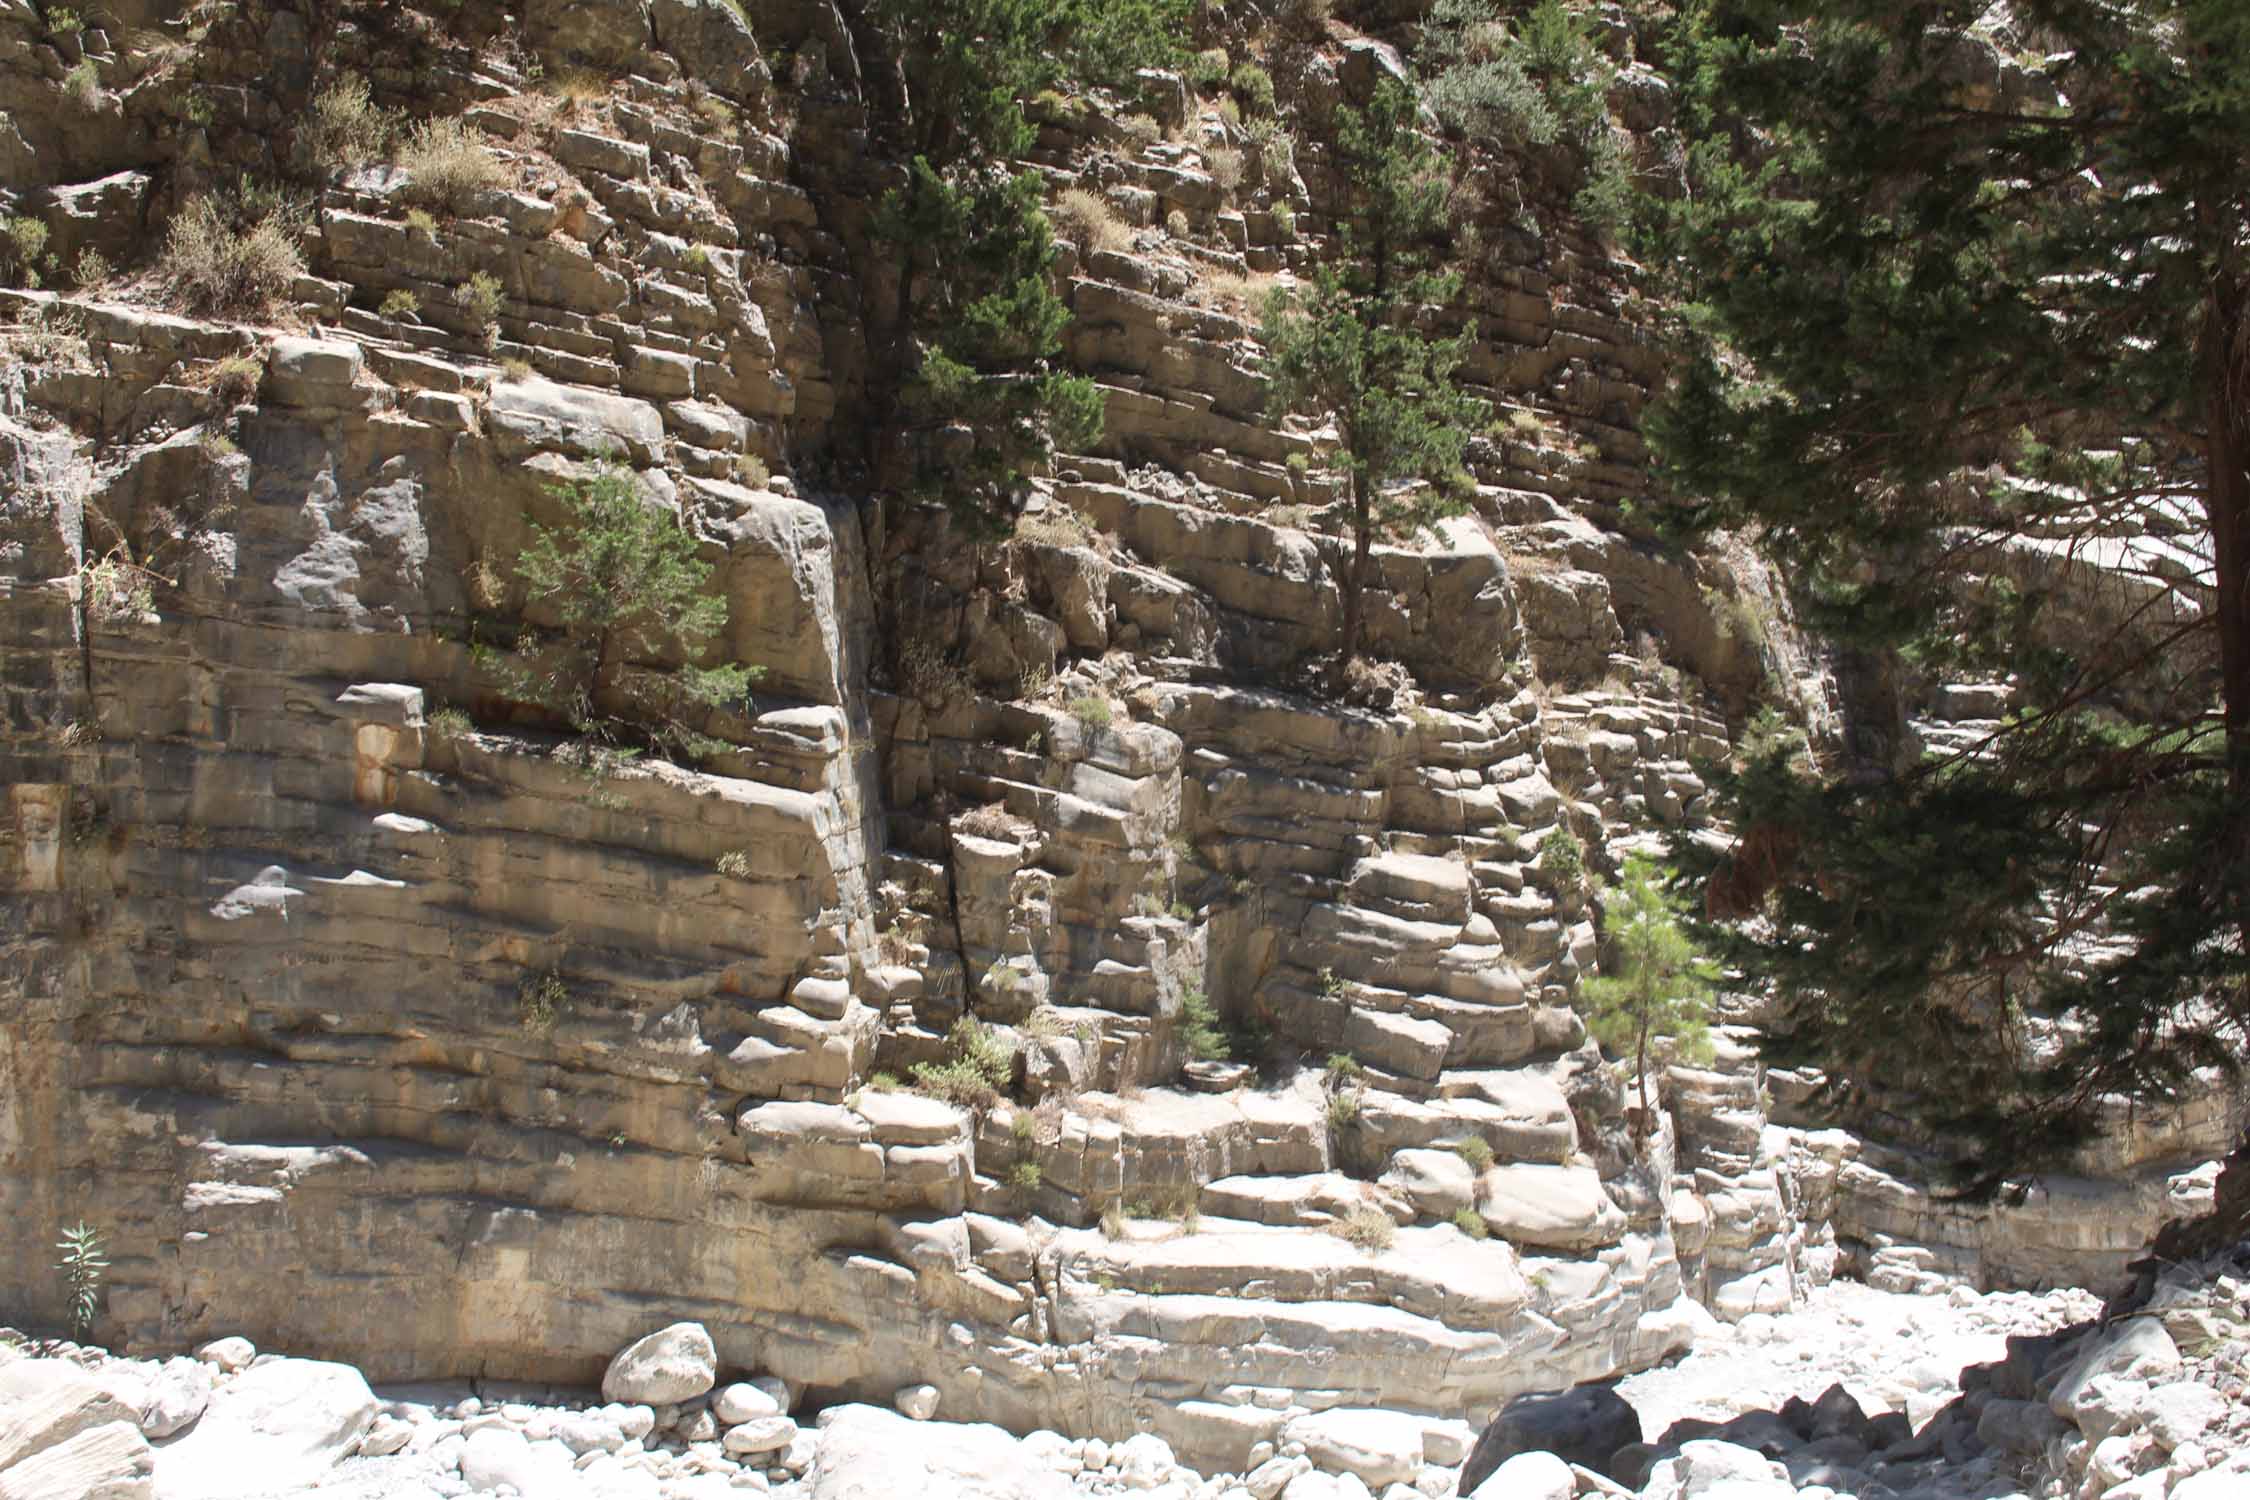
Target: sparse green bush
{"points": [[1024, 1176], [1142, 130], [91, 269], [540, 1000], [115, 588], [399, 302], [1208, 68], [232, 257], [1253, 87], [1091, 711], [1563, 859], [1475, 1150], [450, 723], [234, 380], [1225, 166], [980, 1068], [1471, 1223], [82, 1260], [421, 221], [1368, 1228], [1342, 1068], [480, 300], [1539, 81], [447, 160], [345, 128], [1343, 1109], [83, 84], [63, 21], [23, 249]]}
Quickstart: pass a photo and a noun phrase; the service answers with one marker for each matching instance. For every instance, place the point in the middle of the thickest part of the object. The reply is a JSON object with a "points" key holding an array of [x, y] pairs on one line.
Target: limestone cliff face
{"points": [[402, 1036]]}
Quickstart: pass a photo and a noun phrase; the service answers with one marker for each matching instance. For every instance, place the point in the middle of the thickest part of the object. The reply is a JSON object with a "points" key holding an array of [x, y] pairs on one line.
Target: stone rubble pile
{"points": [[1859, 1395]]}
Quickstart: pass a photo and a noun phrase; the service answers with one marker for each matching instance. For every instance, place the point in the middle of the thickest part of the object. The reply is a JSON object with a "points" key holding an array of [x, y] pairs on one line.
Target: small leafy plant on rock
{"points": [[82, 1260], [979, 1069]]}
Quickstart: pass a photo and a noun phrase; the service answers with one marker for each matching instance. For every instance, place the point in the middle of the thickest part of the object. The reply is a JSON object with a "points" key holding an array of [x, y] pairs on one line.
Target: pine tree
{"points": [[1350, 350], [624, 579], [1966, 305], [964, 360], [1658, 983]]}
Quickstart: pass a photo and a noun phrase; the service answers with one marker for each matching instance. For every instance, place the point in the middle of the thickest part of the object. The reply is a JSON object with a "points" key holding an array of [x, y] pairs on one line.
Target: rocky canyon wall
{"points": [[371, 1019]]}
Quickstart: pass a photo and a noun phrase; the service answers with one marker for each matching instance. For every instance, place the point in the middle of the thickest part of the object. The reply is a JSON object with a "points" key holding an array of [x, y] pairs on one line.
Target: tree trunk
{"points": [[1354, 581], [2226, 501], [1640, 1069]]}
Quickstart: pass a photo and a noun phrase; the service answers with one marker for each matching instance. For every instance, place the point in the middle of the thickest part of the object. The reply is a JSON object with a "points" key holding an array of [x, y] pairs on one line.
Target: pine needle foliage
{"points": [[624, 581], [966, 362], [1200, 1029], [1351, 349], [1658, 983], [1967, 293]]}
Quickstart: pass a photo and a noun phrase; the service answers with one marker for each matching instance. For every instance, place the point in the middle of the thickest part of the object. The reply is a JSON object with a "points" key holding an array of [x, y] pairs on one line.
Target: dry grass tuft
{"points": [[1086, 220], [1367, 1227], [447, 161], [345, 127], [211, 266], [1235, 291]]}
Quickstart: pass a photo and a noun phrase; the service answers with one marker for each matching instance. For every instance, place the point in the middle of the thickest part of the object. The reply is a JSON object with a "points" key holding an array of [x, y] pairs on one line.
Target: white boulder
{"points": [[288, 1422], [759, 1435], [668, 1366], [495, 1456], [867, 1453], [1381, 1447], [1528, 1476], [176, 1397], [229, 1354], [743, 1402]]}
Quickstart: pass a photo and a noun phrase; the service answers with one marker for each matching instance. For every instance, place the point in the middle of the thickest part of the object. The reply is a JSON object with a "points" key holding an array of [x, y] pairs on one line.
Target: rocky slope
{"points": [[327, 970]]}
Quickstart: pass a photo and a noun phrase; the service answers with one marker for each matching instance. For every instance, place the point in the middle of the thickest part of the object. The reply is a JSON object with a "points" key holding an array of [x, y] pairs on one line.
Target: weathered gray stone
{"points": [[672, 1364]]}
